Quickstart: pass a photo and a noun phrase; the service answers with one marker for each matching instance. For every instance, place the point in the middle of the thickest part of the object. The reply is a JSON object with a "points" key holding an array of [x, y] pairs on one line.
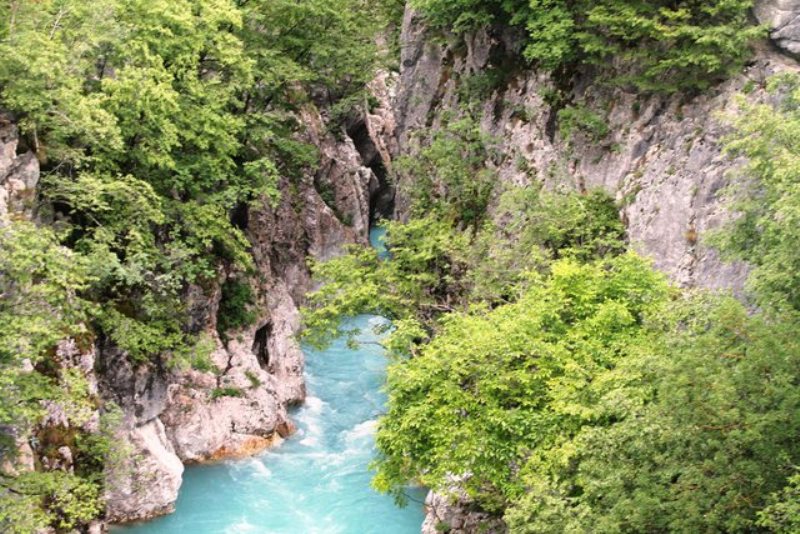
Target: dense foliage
{"points": [[153, 121], [40, 284], [766, 196], [494, 385], [706, 416], [157, 119], [437, 268], [561, 385], [663, 45], [449, 175]]}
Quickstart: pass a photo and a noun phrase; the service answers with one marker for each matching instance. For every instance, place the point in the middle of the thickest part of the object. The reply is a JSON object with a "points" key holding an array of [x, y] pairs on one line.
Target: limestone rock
{"points": [[232, 415], [662, 160], [146, 484], [782, 17], [139, 390], [19, 175], [456, 516], [23, 461]]}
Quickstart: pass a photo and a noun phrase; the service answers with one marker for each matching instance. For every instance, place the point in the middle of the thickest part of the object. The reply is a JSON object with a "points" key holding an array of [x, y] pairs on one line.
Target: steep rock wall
{"points": [[174, 417], [782, 19], [662, 158], [19, 174]]}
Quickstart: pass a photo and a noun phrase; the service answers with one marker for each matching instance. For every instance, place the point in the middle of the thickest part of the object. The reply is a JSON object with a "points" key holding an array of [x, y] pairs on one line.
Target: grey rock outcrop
{"points": [[19, 174], [782, 18], [455, 516], [146, 483], [203, 426], [662, 158]]}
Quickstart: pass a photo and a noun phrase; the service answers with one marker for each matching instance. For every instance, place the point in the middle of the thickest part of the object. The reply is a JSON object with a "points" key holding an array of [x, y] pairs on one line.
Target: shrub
{"points": [[573, 119], [218, 393], [255, 382], [450, 175], [663, 45], [235, 307]]}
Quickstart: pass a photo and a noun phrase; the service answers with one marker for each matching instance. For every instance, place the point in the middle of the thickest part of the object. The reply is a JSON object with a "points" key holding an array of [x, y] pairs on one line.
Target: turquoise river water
{"points": [[317, 481]]}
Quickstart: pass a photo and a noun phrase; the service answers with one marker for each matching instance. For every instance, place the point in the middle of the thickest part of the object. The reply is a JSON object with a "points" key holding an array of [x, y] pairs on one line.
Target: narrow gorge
{"points": [[203, 332]]}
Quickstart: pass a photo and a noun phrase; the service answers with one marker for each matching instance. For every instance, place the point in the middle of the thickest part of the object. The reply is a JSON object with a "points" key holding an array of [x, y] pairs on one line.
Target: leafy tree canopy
{"points": [[437, 268], [706, 418], [493, 386], [765, 196], [153, 120], [662, 46]]}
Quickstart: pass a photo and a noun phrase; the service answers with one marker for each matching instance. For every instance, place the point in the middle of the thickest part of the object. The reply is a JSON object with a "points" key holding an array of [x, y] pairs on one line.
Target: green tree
{"points": [[705, 417], [495, 385], [766, 196], [425, 277], [435, 268], [661, 46], [783, 513], [536, 227], [153, 121], [450, 175], [41, 283]]}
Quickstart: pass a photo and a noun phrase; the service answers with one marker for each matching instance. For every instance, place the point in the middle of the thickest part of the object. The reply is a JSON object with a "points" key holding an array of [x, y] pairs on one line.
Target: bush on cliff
{"points": [[662, 45], [496, 385]]}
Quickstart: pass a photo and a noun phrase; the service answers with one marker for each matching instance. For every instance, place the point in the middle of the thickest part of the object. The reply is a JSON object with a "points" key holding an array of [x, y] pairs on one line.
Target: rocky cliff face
{"points": [[174, 417], [662, 157], [782, 19], [239, 407], [19, 174]]}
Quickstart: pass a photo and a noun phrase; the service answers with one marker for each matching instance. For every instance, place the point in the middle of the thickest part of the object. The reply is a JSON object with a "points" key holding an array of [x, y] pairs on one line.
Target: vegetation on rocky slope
{"points": [[538, 366], [561, 384], [663, 45], [152, 121]]}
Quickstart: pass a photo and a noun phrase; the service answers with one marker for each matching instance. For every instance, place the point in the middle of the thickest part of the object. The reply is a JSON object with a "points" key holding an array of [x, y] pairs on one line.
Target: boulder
{"points": [[782, 18]]}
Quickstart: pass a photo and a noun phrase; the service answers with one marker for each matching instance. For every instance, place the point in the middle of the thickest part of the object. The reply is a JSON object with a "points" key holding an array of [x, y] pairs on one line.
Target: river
{"points": [[318, 480]]}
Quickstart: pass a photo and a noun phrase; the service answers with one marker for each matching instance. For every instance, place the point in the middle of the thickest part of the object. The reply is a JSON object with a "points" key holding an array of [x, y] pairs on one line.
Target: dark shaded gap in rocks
{"points": [[261, 345], [381, 200], [240, 216]]}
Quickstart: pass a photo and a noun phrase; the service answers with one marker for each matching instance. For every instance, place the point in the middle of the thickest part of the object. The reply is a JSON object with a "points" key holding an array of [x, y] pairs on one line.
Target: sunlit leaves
{"points": [[661, 46], [494, 385], [766, 195], [708, 433]]}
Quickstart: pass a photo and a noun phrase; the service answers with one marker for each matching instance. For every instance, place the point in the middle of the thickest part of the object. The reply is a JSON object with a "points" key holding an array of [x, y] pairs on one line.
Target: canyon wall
{"points": [[238, 405], [176, 417], [662, 157]]}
